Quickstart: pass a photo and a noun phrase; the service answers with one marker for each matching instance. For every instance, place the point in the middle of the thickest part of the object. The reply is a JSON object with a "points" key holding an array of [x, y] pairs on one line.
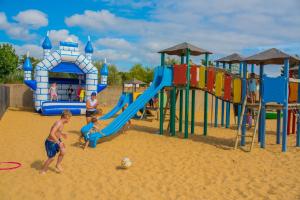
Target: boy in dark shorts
{"points": [[54, 142]]}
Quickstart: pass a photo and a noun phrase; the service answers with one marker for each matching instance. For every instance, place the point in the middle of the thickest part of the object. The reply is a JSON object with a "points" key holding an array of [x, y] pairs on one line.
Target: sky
{"points": [[129, 32]]}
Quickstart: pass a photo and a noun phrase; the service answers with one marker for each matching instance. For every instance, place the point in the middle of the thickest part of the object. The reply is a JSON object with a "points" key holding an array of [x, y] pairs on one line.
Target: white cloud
{"points": [[111, 55], [61, 35], [34, 50], [136, 4], [116, 43], [15, 30], [32, 18]]}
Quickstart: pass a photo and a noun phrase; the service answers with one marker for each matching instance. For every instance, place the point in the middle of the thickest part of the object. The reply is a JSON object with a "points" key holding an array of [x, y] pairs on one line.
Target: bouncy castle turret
{"points": [[103, 77], [89, 49], [27, 67], [47, 46], [104, 73]]}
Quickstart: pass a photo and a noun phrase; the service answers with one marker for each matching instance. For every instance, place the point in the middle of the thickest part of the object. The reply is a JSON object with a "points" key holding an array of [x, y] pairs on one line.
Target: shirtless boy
{"points": [[54, 142]]}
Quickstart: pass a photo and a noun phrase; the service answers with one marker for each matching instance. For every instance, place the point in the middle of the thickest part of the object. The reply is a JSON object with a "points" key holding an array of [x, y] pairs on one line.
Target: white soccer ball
{"points": [[126, 163]]}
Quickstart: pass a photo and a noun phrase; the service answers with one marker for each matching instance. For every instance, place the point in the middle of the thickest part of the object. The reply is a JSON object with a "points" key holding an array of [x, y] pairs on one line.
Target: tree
{"points": [[113, 75], [137, 71], [149, 74], [172, 61], [210, 63], [8, 61], [125, 76]]}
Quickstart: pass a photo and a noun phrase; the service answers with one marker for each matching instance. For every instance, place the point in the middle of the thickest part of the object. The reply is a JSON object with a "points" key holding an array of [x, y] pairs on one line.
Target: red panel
{"points": [[227, 87], [210, 79], [179, 74], [193, 80]]}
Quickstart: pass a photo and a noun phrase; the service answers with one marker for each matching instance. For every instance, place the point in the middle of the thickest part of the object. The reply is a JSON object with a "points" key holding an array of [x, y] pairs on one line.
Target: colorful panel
{"points": [[274, 89], [180, 74], [237, 90], [227, 87], [193, 72], [293, 92], [136, 95], [210, 79], [219, 83], [201, 82]]}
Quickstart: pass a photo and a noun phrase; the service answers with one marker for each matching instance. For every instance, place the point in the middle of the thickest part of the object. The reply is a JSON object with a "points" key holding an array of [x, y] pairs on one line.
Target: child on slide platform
{"points": [[94, 129], [252, 88]]}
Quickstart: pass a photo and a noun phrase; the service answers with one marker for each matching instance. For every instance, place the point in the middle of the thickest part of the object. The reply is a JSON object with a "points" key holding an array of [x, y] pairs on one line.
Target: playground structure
{"points": [[220, 82], [127, 97], [67, 59]]}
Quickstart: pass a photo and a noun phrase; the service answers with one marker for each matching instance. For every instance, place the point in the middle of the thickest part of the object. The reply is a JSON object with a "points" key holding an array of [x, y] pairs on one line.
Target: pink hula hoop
{"points": [[17, 165]]}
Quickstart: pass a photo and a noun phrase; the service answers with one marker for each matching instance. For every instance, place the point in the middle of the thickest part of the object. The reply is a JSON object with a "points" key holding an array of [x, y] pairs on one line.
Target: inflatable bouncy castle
{"points": [[82, 77]]}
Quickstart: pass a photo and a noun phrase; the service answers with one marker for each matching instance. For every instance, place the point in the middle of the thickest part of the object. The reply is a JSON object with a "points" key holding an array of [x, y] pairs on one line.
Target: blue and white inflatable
{"points": [[67, 59]]}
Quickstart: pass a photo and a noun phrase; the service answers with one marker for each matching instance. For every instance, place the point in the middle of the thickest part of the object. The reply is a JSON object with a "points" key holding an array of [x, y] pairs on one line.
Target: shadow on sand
{"points": [[38, 164]]}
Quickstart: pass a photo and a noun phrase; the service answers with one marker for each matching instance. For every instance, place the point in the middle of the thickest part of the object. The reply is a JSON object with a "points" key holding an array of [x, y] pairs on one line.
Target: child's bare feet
{"points": [[58, 168], [42, 171]]}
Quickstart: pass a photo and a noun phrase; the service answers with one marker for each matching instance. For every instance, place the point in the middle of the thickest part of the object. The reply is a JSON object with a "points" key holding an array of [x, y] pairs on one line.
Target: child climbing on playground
{"points": [[252, 86], [93, 130], [53, 92], [249, 118], [54, 143]]}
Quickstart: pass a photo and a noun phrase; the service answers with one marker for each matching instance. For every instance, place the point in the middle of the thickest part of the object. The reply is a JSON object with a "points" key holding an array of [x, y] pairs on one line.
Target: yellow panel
{"points": [[219, 84], [136, 95], [201, 83], [237, 90]]}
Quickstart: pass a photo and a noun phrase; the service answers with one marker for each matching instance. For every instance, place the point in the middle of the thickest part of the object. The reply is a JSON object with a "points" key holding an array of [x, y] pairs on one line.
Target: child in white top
{"points": [[53, 92]]}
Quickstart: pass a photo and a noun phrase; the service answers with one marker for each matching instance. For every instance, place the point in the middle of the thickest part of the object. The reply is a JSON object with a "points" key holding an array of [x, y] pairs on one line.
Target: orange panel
{"points": [[293, 92]]}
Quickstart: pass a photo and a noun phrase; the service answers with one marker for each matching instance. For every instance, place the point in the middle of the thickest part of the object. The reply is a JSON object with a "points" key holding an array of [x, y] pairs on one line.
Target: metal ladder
{"points": [[239, 131]]}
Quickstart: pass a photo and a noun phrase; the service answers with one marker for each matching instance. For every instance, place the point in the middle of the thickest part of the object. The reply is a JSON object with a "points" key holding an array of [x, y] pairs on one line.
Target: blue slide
{"points": [[124, 99], [163, 76]]}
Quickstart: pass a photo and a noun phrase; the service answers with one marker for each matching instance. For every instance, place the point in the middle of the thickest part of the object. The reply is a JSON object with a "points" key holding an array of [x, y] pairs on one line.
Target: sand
{"points": [[163, 167]]}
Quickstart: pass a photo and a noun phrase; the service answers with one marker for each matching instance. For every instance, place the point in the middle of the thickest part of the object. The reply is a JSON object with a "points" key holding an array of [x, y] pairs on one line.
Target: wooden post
{"points": [[181, 101], [222, 106], [216, 105], [187, 90], [285, 106], [205, 99], [244, 95], [278, 127], [161, 108], [298, 117]]}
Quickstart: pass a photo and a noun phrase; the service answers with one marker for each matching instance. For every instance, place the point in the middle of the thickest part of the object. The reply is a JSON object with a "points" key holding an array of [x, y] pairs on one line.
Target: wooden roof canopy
{"points": [[271, 56], [180, 50], [231, 59]]}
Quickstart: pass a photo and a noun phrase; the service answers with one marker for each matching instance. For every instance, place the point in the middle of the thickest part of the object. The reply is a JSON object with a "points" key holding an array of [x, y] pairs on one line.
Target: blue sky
{"points": [[127, 32]]}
